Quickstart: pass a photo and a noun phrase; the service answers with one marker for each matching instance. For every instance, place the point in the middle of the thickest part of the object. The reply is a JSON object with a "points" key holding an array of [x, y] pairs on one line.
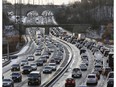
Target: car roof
{"points": [[69, 79], [91, 75], [35, 72]]}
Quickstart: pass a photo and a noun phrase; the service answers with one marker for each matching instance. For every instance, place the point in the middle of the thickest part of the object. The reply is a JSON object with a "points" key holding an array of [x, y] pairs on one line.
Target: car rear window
{"points": [[91, 76]]}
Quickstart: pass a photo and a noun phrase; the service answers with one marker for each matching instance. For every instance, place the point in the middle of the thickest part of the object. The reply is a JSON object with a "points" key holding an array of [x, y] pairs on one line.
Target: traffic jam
{"points": [[49, 57]]}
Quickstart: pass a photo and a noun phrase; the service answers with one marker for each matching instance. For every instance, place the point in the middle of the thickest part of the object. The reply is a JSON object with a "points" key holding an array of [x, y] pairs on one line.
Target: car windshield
{"points": [[30, 56], [24, 60], [91, 76], [52, 64], [15, 73], [47, 67], [6, 80], [111, 75], [15, 65], [26, 66], [83, 65], [97, 66], [33, 64], [34, 75], [76, 69]]}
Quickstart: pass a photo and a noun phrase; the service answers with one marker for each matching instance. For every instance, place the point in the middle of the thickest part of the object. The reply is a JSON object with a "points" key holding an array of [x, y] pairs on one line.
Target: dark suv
{"points": [[26, 69], [76, 73], [34, 78], [16, 77], [8, 83], [15, 67], [110, 82]]}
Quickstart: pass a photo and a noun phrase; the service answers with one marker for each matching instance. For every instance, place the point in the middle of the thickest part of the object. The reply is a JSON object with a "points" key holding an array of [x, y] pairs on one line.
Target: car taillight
{"points": [[67, 81], [73, 81]]}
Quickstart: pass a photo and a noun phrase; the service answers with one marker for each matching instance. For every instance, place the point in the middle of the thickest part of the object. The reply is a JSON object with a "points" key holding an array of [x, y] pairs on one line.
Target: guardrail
{"points": [[56, 77]]}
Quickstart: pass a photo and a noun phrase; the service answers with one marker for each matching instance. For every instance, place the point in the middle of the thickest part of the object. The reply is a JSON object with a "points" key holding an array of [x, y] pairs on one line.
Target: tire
{"points": [[28, 84]]}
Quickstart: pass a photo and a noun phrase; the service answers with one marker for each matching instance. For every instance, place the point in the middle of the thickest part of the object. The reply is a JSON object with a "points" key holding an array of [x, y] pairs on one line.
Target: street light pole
{"points": [[8, 51]]}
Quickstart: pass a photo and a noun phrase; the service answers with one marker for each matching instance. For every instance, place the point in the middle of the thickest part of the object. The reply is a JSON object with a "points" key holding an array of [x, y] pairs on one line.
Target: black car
{"points": [[16, 77], [57, 60], [82, 50], [39, 62], [8, 83], [76, 73], [110, 82], [34, 78], [26, 69], [15, 67]]}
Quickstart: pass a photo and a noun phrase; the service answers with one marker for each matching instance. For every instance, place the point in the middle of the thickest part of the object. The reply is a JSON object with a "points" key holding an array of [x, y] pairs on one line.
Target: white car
{"points": [[53, 66], [92, 79], [30, 58]]}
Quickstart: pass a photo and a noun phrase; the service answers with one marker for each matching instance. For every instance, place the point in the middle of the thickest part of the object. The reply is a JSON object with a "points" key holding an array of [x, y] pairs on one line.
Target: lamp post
{"points": [[7, 43]]}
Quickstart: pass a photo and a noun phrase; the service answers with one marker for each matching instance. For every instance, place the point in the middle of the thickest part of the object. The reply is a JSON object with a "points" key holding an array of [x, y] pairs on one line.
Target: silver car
{"points": [[92, 79], [83, 67], [33, 66], [53, 66]]}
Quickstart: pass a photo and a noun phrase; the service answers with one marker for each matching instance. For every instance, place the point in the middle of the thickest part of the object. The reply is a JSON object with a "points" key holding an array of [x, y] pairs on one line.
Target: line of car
{"points": [[28, 68], [99, 52]]}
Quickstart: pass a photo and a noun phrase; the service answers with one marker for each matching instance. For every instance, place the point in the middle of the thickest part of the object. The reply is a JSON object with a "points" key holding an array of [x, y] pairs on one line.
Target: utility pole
{"points": [[20, 20]]}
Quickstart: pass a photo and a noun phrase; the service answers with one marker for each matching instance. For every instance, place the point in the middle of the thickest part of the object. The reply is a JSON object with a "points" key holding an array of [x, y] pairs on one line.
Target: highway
{"points": [[71, 54]]}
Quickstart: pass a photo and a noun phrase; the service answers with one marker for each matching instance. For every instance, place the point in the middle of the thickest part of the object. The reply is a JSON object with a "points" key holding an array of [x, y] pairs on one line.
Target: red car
{"points": [[70, 82]]}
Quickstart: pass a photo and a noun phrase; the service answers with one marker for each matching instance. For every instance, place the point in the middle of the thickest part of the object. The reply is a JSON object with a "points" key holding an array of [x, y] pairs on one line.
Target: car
{"points": [[110, 82], [76, 73], [70, 82], [15, 67], [84, 57], [8, 83], [52, 60], [53, 66], [92, 79], [16, 76], [26, 69], [30, 58], [57, 60], [110, 75], [43, 58], [47, 69], [83, 66], [24, 62], [39, 62], [106, 70], [97, 74], [34, 78], [82, 50], [38, 53], [106, 53], [33, 66], [46, 55], [85, 61], [98, 67], [82, 86]]}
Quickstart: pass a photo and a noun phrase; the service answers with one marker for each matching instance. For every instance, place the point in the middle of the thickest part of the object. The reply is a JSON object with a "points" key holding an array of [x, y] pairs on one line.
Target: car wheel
{"points": [[28, 83]]}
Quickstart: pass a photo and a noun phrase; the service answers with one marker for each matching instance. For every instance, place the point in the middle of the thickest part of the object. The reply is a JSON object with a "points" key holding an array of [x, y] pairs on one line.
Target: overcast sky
{"points": [[57, 2]]}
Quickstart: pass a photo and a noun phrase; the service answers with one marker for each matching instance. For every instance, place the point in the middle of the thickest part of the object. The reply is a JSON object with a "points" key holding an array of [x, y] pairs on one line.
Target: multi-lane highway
{"points": [[62, 45]]}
